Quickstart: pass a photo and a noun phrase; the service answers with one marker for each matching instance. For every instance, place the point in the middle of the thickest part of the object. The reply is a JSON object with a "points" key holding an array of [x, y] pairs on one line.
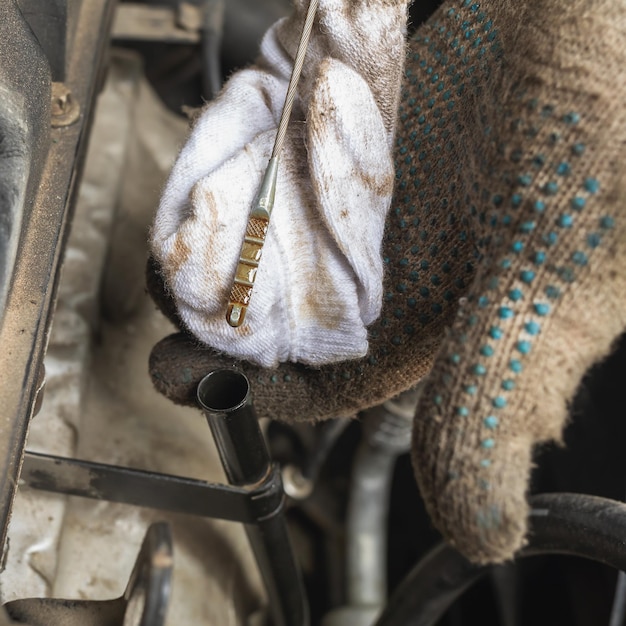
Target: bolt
{"points": [[65, 109], [296, 485]]}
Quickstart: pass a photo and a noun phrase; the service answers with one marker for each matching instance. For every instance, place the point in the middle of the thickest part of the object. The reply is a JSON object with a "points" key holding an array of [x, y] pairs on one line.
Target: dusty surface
{"points": [[100, 404]]}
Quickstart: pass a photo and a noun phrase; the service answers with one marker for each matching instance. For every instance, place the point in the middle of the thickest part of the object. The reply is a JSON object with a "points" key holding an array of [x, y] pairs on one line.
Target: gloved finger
{"points": [[370, 37], [352, 174], [547, 169], [292, 391]]}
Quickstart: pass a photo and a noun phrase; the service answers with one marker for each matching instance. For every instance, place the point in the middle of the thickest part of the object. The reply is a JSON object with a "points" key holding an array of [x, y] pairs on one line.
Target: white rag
{"points": [[319, 283]]}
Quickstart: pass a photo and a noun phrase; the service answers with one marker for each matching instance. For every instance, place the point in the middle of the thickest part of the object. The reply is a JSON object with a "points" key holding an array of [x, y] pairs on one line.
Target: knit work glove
{"points": [[545, 84], [504, 249], [319, 283]]}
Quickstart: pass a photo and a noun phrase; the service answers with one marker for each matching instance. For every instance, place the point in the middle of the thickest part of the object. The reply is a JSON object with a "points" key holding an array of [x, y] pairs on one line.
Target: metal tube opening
{"points": [[225, 398], [223, 391]]}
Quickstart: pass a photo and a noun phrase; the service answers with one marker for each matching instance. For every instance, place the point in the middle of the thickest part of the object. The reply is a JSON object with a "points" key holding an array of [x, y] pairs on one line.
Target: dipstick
{"points": [[258, 222]]}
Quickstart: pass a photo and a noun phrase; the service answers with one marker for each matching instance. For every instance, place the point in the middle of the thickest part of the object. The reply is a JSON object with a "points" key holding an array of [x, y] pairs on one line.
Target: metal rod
{"points": [[366, 536], [141, 488], [212, 27], [295, 77], [386, 435], [224, 396]]}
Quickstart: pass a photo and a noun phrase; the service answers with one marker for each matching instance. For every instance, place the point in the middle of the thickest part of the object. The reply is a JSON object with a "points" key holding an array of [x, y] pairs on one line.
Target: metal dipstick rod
{"points": [[258, 222], [224, 396]]}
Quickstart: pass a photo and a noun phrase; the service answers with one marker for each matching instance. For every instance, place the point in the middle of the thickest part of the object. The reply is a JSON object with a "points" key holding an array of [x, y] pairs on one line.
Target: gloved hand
{"points": [[548, 172], [320, 279], [504, 252]]}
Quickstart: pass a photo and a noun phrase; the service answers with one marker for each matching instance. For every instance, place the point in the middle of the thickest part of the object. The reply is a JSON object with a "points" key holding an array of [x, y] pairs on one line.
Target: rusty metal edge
{"points": [[25, 328]]}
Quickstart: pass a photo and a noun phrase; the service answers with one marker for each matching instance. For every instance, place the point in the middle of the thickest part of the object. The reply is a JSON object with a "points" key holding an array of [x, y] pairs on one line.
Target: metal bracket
{"points": [[154, 490], [144, 602]]}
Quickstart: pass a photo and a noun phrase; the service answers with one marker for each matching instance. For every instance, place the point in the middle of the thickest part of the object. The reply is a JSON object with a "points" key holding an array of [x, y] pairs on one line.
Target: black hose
{"points": [[327, 437], [561, 523]]}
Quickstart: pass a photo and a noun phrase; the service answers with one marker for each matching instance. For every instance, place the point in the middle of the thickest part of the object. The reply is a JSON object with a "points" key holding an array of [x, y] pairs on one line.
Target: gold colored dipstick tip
{"points": [[250, 255], [258, 222]]}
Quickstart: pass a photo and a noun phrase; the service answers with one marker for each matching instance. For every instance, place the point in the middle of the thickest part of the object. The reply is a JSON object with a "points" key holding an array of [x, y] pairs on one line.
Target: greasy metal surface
{"points": [[25, 324], [144, 602], [24, 115], [37, 521], [24, 130], [153, 490]]}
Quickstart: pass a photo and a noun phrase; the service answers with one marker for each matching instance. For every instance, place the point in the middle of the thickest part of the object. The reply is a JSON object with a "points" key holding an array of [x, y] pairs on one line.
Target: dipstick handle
{"points": [[252, 247]]}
